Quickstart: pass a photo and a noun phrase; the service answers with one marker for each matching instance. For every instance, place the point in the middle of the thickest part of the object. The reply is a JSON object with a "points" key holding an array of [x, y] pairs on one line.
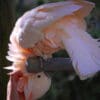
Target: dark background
{"points": [[64, 86]]}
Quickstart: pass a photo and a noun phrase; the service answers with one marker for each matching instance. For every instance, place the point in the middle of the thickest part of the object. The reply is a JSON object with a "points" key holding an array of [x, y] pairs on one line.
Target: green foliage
{"points": [[39, 2], [97, 2]]}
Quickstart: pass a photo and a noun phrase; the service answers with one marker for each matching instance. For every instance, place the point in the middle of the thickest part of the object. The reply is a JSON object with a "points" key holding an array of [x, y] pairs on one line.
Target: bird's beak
{"points": [[12, 92], [28, 86]]}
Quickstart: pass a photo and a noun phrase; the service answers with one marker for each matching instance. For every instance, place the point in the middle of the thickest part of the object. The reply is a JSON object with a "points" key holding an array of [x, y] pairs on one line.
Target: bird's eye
{"points": [[39, 76]]}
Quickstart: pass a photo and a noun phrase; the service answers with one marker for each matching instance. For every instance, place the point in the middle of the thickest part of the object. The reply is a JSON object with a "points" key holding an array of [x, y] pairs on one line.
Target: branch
{"points": [[38, 64]]}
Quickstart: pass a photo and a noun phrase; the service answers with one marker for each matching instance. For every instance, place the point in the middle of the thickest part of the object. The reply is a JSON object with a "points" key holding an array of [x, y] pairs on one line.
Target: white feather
{"points": [[31, 23], [84, 51]]}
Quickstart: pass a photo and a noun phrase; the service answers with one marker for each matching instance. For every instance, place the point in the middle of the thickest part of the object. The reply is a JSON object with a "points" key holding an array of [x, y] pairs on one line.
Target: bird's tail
{"points": [[84, 51]]}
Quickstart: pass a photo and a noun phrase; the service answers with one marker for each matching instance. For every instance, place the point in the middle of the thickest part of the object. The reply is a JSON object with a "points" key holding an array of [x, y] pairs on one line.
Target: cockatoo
{"points": [[47, 29]]}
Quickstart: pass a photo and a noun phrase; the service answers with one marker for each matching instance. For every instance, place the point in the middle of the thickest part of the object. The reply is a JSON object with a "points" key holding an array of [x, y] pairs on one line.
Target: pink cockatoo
{"points": [[47, 29]]}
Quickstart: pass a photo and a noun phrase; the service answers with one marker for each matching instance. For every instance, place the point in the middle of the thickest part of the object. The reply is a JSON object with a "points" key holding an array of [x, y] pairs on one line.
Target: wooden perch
{"points": [[38, 64]]}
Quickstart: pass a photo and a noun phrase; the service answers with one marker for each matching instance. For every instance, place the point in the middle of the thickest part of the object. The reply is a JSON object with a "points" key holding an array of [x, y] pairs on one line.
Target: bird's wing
{"points": [[85, 9], [27, 30]]}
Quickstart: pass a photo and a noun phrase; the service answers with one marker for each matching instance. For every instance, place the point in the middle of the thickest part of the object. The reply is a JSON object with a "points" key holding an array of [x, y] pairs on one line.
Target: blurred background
{"points": [[64, 86]]}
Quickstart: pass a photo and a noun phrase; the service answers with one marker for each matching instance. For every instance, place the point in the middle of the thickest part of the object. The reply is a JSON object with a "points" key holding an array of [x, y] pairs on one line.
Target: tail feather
{"points": [[85, 53]]}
